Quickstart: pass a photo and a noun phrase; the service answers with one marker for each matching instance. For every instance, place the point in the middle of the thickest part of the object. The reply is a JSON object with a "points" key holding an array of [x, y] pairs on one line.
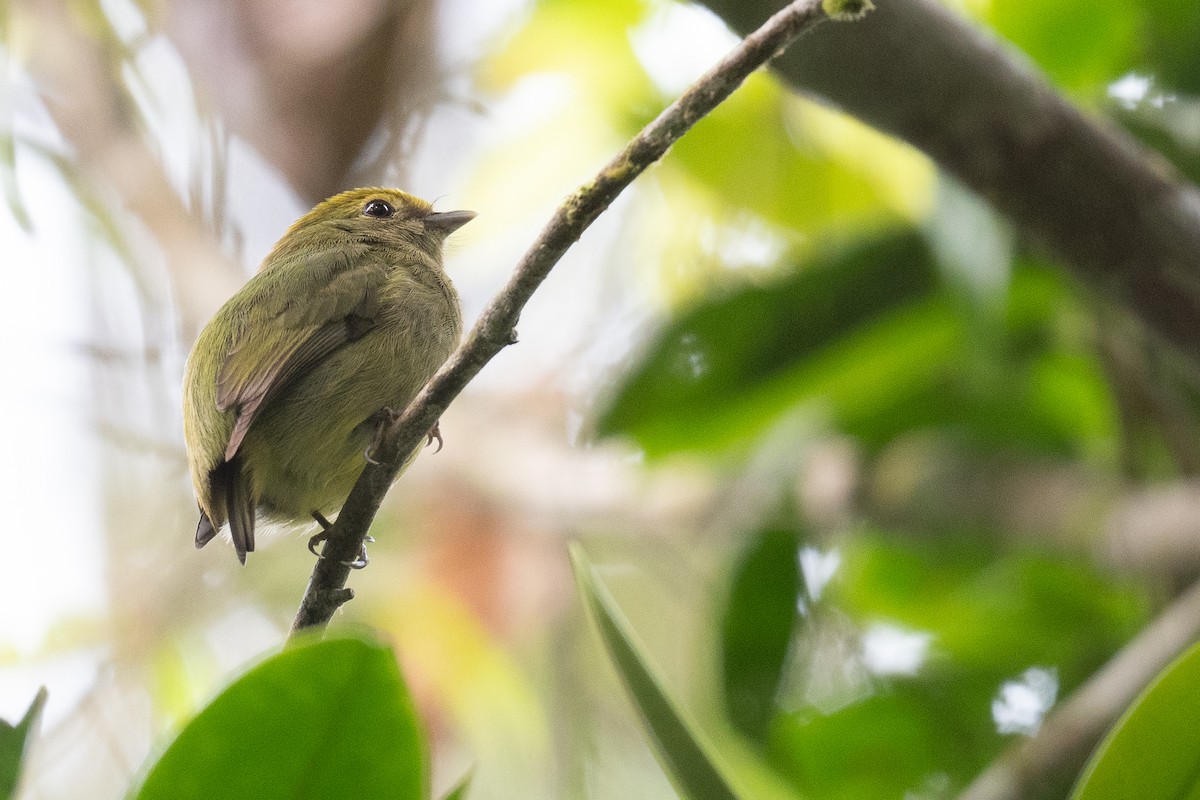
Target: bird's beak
{"points": [[447, 222]]}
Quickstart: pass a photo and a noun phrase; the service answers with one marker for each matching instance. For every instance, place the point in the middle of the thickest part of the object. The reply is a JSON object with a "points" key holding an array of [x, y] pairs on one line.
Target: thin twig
{"points": [[1070, 734], [496, 327]]}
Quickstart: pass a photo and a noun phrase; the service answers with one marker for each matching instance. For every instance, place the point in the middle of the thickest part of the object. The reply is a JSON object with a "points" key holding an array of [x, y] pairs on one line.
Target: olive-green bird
{"points": [[347, 318]]}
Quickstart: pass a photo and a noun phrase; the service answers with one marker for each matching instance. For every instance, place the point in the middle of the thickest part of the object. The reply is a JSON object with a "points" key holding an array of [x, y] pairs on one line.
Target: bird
{"points": [[287, 386]]}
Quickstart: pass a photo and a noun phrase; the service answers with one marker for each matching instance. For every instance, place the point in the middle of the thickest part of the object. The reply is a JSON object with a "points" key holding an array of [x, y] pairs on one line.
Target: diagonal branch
{"points": [[496, 327]]}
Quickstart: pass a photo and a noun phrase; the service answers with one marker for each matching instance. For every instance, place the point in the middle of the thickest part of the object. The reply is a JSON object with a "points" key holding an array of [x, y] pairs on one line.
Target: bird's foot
{"points": [[359, 561], [383, 417], [320, 537], [435, 433]]}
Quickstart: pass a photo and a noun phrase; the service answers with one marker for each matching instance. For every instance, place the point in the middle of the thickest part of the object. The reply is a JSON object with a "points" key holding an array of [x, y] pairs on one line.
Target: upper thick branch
{"points": [[496, 326], [1113, 211]]}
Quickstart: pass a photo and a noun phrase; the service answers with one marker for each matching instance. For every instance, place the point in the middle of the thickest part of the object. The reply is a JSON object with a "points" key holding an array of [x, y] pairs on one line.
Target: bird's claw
{"points": [[316, 539], [361, 559], [435, 433], [385, 416]]}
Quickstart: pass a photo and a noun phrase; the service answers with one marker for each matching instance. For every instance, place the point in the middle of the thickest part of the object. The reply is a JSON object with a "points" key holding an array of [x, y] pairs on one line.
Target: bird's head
{"points": [[377, 214]]}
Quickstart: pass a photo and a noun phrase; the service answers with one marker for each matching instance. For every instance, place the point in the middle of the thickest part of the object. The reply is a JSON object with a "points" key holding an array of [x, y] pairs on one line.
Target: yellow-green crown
{"points": [[350, 204]]}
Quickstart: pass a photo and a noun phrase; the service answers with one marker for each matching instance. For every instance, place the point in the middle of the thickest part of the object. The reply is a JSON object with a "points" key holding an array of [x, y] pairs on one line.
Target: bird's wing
{"points": [[285, 337]]}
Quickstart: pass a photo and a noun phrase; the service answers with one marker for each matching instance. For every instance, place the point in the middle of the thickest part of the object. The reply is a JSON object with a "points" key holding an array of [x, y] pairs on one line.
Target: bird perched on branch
{"points": [[286, 387]]}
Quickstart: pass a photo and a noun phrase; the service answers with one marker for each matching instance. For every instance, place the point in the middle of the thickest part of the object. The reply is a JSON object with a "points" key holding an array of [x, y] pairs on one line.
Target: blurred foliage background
{"points": [[876, 483]]}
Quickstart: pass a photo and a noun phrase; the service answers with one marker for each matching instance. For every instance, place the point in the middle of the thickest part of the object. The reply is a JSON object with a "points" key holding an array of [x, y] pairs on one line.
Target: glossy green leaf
{"points": [[1152, 753], [320, 720], [854, 330], [757, 628], [688, 760], [14, 742]]}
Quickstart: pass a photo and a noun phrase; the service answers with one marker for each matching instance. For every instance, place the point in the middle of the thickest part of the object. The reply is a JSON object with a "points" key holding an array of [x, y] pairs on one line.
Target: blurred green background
{"points": [[875, 482]]}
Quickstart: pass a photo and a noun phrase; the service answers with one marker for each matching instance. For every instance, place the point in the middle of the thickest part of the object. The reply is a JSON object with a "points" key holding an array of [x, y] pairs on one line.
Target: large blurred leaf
{"points": [[687, 759], [1086, 44], [319, 721], [991, 610], [1153, 752], [1082, 44], [857, 328], [14, 742], [757, 628], [1171, 53], [988, 617], [762, 150], [870, 340], [886, 746]]}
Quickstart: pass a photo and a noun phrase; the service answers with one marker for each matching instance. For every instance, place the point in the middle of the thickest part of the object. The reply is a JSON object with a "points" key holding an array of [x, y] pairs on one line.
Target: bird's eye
{"points": [[380, 209]]}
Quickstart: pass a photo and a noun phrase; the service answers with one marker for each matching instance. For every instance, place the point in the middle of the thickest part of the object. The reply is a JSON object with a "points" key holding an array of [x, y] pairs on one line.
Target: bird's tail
{"points": [[230, 489]]}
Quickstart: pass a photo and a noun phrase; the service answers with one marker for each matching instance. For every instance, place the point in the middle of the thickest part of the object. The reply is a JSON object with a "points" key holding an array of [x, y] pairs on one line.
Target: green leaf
{"points": [[1173, 27], [1082, 45], [14, 742], [757, 628], [1152, 753], [855, 329], [320, 720], [990, 611], [988, 615], [770, 145], [459, 792], [687, 759], [8, 184]]}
